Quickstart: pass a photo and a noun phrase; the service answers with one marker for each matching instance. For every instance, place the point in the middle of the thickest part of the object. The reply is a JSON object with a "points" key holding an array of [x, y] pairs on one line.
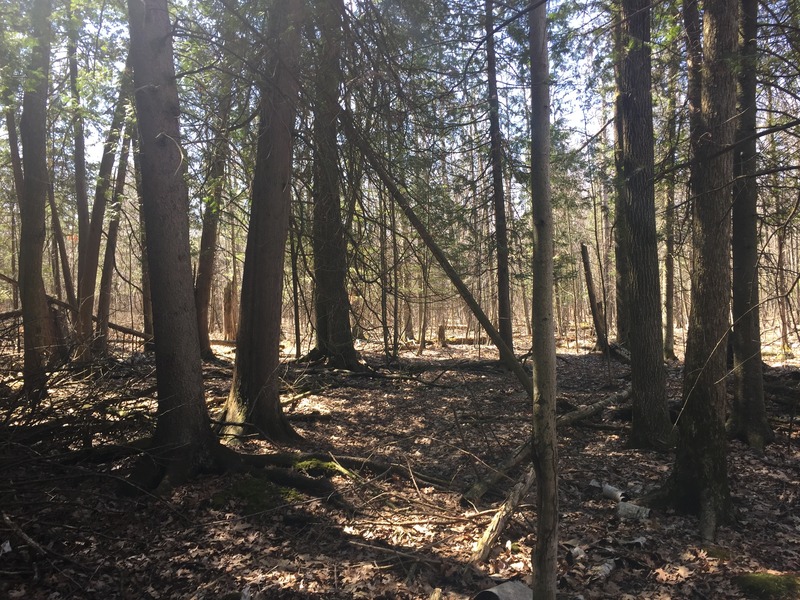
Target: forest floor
{"points": [[446, 420]]}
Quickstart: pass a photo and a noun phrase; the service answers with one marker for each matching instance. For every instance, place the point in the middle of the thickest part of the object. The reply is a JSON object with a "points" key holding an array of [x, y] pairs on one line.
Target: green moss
{"points": [[766, 586], [718, 552], [317, 468], [255, 494]]}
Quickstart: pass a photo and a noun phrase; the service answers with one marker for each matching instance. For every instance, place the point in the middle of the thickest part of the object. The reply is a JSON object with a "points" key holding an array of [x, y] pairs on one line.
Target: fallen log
{"points": [[501, 517], [523, 451]]}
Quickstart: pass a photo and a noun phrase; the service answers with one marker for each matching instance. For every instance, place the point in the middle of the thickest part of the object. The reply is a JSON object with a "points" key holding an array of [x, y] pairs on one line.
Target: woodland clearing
{"points": [[445, 420]]}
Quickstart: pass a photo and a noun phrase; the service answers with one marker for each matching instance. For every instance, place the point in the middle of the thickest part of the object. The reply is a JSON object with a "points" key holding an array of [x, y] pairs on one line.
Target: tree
{"points": [[39, 331], [208, 238], [634, 160], [334, 335], [545, 443], [183, 438], [748, 419], [254, 398], [504, 317], [699, 480]]}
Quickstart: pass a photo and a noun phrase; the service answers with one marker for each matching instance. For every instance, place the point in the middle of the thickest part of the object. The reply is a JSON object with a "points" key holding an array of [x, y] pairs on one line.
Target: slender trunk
{"points": [[208, 236], [545, 446], [58, 238], [147, 305], [109, 259], [498, 196]]}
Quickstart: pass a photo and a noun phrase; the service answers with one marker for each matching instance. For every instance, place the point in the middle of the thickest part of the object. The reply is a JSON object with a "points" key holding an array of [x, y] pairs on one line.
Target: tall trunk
{"points": [[147, 305], [89, 254], [19, 186], [669, 214], [39, 333], [498, 196], [183, 436], [634, 161], [208, 237], [699, 480], [545, 443], [334, 335], [109, 259], [255, 391], [748, 419]]}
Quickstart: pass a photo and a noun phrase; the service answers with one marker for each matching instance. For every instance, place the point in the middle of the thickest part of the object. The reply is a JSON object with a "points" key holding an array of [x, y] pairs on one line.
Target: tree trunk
{"points": [[748, 419], [651, 426], [498, 196], [208, 237], [255, 395], [597, 314], [183, 436], [39, 333], [109, 260], [545, 446], [89, 259], [334, 335], [699, 480], [147, 305]]}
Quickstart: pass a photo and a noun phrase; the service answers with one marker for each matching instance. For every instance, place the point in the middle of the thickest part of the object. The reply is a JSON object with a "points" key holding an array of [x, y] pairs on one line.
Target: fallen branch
{"points": [[501, 517], [523, 452]]}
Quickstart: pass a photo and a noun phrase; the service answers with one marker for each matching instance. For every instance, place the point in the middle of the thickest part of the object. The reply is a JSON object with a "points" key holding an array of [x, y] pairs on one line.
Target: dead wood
{"points": [[523, 452], [501, 517]]}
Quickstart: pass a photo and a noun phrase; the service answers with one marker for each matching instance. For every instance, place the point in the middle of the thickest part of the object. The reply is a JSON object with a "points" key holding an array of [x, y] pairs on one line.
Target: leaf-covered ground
{"points": [[444, 420]]}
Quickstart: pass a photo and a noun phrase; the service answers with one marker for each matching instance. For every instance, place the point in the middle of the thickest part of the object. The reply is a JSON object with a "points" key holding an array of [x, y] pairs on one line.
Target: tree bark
{"points": [[255, 395], [545, 446], [504, 317], [651, 426], [699, 480], [597, 316], [183, 434], [39, 332], [332, 304], [748, 419]]}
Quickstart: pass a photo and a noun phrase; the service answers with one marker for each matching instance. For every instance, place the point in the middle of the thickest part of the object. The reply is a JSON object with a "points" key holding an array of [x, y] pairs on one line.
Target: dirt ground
{"points": [[443, 420]]}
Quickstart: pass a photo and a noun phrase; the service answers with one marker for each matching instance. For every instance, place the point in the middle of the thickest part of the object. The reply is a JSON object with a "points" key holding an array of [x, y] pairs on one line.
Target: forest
{"points": [[399, 299]]}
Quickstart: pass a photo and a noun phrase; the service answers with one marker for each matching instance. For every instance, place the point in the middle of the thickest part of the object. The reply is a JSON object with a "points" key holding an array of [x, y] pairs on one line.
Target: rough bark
{"points": [[332, 304], [545, 446], [748, 419], [651, 426], [255, 395], [39, 333], [504, 317], [699, 480], [183, 436]]}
